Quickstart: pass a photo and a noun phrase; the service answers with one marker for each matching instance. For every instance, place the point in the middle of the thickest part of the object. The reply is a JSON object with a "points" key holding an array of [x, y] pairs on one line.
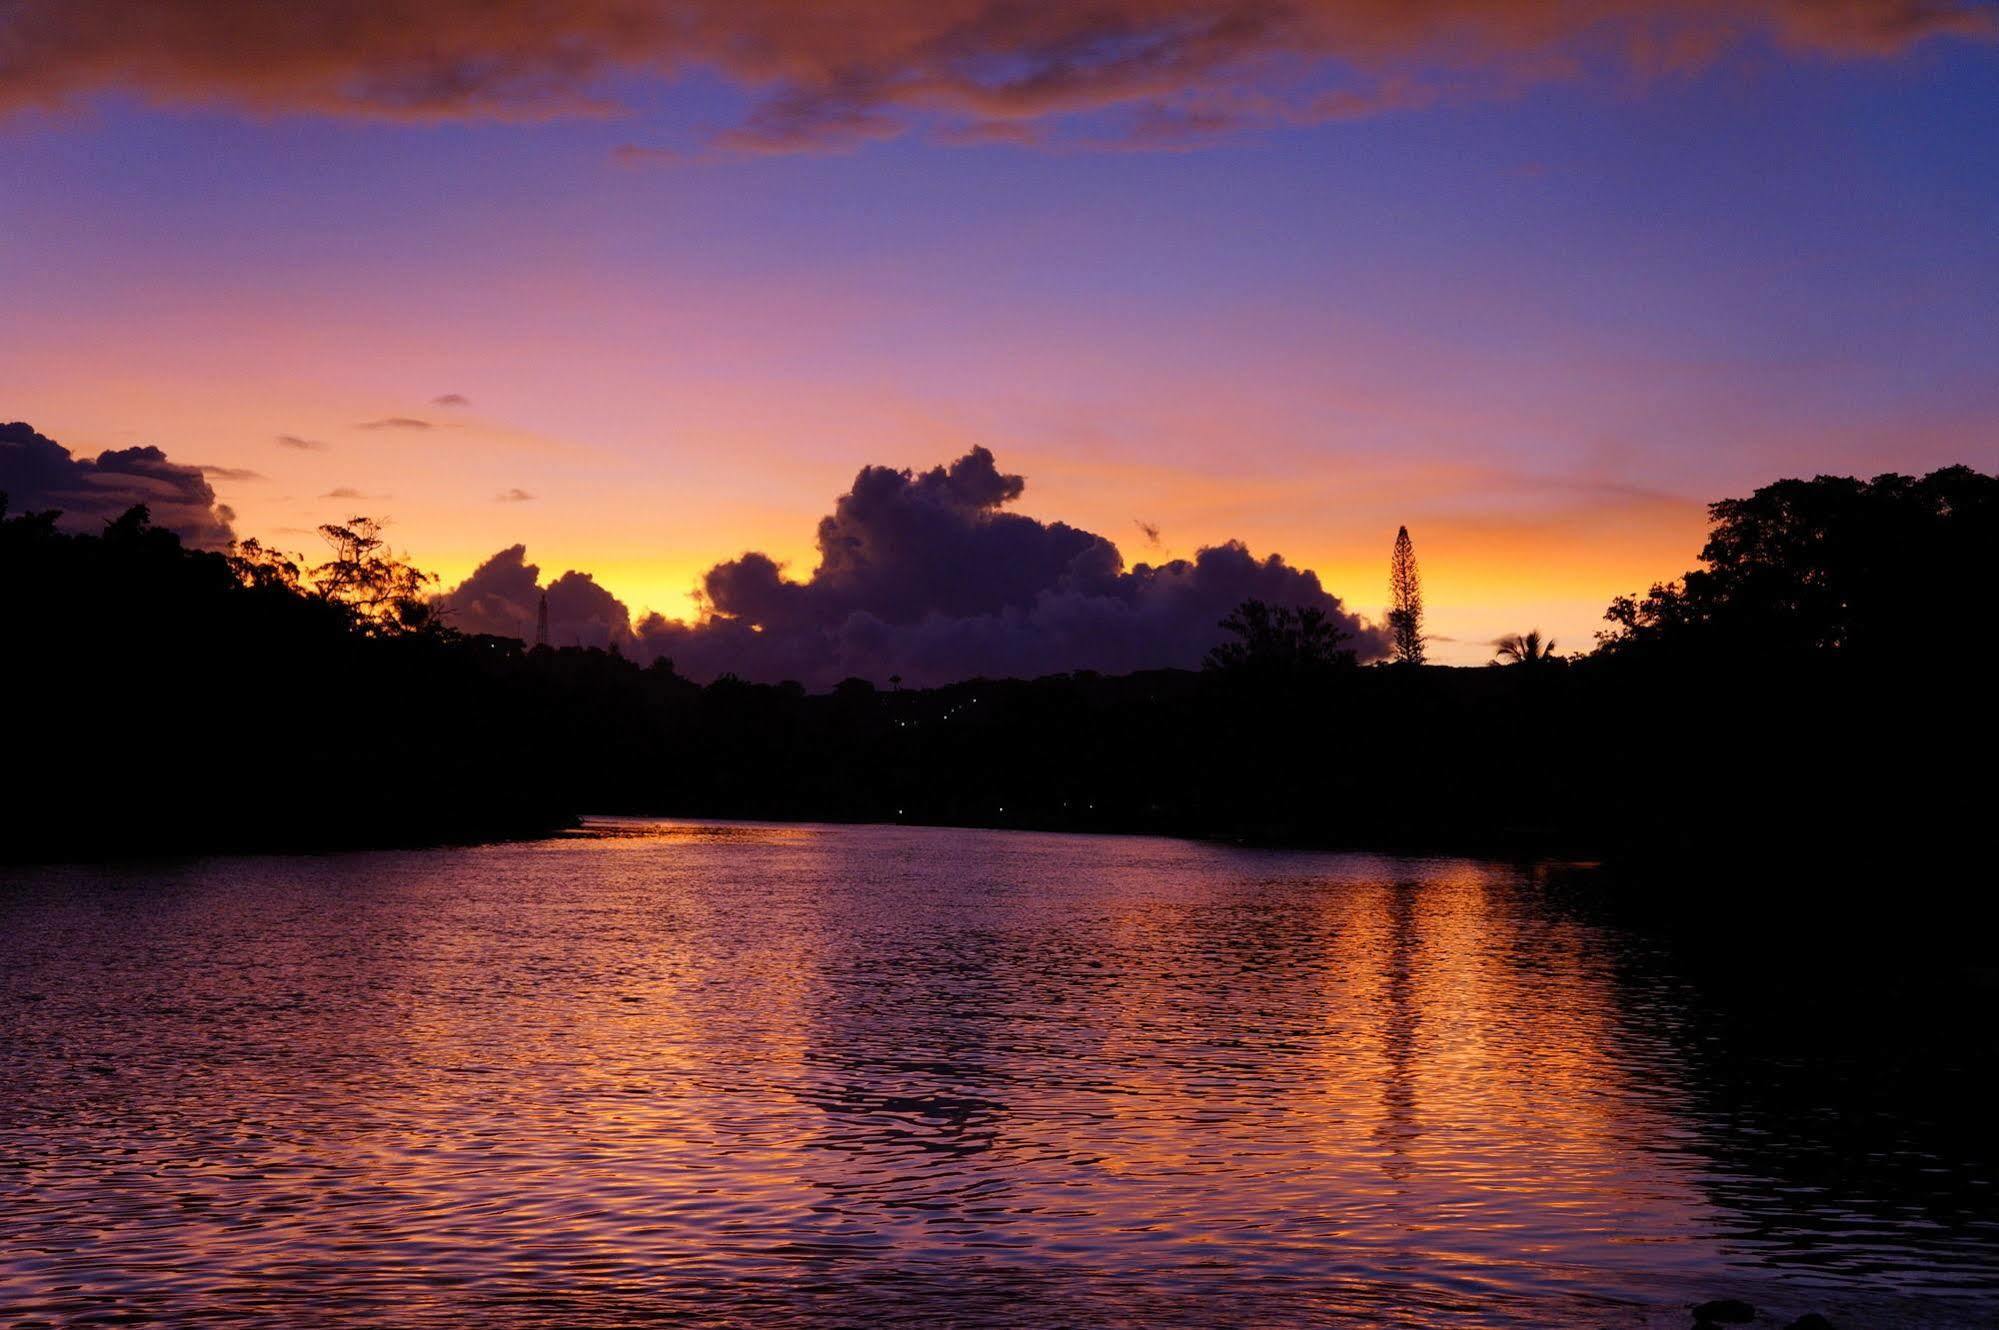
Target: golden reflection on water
{"points": [[782, 1075]]}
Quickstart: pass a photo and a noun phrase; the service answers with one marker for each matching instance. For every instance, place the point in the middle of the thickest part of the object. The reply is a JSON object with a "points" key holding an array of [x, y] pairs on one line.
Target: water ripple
{"points": [[818, 1076]]}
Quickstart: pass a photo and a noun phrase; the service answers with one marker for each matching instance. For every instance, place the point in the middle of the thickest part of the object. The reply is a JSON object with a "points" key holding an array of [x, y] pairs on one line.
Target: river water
{"points": [[706, 1074]]}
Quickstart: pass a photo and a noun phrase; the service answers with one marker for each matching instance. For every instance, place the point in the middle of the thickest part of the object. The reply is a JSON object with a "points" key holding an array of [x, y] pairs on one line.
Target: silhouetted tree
{"points": [[1281, 640], [1526, 648], [1833, 565], [165, 680], [262, 567], [383, 592], [1405, 600], [1816, 685]]}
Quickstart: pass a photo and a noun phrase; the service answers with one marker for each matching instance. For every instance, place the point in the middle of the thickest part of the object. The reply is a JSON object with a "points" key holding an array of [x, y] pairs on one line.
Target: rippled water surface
{"points": [[831, 1076]]}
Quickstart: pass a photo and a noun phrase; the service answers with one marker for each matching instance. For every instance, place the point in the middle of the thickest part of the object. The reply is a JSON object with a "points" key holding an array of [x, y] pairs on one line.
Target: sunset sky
{"points": [[645, 292]]}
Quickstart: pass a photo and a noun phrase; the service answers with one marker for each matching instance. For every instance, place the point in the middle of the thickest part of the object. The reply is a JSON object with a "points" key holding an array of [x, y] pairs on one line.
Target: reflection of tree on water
{"points": [[1844, 1123], [1834, 1090], [1400, 1022]]}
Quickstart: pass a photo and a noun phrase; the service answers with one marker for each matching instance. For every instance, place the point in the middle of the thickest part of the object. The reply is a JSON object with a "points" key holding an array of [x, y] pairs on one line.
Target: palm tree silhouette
{"points": [[1523, 649]]}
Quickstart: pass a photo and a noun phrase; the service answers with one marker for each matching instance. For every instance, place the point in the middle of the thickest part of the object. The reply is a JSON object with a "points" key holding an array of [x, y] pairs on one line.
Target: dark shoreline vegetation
{"points": [[1818, 691]]}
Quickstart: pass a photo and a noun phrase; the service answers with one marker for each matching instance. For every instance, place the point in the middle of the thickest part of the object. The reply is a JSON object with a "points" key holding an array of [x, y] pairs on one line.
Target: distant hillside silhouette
{"points": [[1816, 691]]}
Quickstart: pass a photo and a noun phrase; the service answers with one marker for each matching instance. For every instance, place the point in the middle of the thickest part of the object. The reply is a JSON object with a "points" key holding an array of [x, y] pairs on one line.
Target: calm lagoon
{"points": [[773, 1075]]}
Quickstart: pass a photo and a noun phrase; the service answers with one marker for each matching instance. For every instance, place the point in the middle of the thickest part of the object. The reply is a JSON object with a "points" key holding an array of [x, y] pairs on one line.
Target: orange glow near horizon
{"points": [[649, 526], [1272, 342]]}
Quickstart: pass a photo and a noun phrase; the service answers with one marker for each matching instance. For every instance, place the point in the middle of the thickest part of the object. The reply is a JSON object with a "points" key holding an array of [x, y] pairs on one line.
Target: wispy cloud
{"points": [[303, 445], [451, 399], [512, 496], [640, 154], [394, 422], [230, 473]]}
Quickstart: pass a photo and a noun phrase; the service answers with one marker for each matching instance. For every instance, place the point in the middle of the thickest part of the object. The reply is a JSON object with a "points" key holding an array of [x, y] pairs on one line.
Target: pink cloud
{"points": [[833, 73]]}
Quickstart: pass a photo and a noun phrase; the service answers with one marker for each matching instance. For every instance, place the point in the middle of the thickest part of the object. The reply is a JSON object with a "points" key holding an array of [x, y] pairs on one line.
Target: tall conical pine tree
{"points": [[1405, 601]]}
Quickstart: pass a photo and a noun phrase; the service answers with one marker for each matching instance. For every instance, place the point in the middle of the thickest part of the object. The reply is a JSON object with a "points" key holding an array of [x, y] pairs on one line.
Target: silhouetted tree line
{"points": [[1818, 691]]}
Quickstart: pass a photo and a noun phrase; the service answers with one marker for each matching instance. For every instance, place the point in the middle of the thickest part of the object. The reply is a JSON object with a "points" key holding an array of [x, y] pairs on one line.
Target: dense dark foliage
{"points": [[1816, 689], [162, 698], [1835, 568]]}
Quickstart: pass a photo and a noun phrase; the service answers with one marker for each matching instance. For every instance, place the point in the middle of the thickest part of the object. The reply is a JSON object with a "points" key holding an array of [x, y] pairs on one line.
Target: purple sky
{"points": [[1292, 274]]}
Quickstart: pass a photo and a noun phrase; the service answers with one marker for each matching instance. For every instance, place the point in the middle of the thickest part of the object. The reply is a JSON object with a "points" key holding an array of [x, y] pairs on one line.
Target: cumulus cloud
{"points": [[829, 73], [37, 473], [503, 597], [927, 575]]}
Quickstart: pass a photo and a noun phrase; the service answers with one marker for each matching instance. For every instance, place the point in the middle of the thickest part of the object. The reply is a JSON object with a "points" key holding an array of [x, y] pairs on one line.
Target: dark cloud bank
{"points": [[37, 473], [925, 575]]}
